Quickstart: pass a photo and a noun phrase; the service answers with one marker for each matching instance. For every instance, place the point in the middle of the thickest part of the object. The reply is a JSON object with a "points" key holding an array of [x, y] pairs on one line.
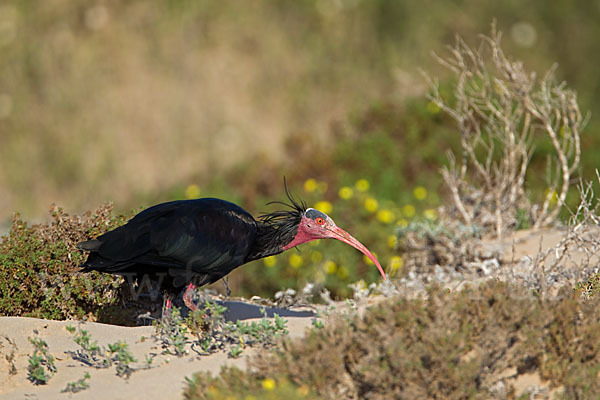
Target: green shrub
{"points": [[39, 268]]}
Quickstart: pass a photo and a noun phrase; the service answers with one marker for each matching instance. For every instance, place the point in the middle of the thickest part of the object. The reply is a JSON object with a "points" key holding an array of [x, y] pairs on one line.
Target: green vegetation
{"points": [[443, 345], [93, 355], [78, 385], [172, 333], [39, 263], [236, 384], [41, 363], [213, 333]]}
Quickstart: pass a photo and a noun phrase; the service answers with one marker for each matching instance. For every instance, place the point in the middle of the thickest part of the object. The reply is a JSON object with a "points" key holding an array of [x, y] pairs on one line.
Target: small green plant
{"points": [[122, 357], [90, 353], [264, 331], [93, 355], [78, 385], [172, 331], [148, 361], [235, 351], [10, 356], [317, 323], [41, 363]]}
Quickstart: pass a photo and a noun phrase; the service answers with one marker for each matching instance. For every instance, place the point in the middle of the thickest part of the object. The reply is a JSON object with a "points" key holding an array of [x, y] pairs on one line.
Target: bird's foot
{"points": [[188, 297]]}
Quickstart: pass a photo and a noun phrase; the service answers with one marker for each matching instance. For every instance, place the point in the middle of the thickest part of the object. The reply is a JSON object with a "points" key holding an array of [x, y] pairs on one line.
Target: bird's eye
{"points": [[320, 221]]}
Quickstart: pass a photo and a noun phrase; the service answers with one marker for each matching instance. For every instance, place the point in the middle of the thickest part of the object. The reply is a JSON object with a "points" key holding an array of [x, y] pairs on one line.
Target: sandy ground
{"points": [[165, 380]]}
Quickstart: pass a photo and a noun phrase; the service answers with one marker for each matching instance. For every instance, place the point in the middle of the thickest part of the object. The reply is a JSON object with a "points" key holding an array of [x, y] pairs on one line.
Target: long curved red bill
{"points": [[340, 234]]}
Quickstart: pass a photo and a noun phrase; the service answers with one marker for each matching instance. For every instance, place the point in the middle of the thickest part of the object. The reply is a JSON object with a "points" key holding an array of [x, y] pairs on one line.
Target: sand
{"points": [[164, 380]]}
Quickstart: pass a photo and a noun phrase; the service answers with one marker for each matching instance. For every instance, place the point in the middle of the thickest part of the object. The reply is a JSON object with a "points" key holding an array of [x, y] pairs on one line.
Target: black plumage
{"points": [[198, 240]]}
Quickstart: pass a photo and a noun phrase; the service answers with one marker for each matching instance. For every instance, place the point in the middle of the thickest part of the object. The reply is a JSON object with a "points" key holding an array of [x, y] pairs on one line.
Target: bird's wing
{"points": [[207, 236]]}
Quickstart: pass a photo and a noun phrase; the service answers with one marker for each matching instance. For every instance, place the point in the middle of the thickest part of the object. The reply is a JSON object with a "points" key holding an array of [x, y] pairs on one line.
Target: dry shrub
{"points": [[39, 275], [471, 344], [502, 111], [575, 258]]}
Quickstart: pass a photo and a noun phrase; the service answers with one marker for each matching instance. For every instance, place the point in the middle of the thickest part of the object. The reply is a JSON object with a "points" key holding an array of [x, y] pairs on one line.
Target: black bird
{"points": [[197, 242]]}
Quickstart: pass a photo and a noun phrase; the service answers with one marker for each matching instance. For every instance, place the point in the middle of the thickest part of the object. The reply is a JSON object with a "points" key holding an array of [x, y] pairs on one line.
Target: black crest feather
{"points": [[278, 228], [281, 218]]}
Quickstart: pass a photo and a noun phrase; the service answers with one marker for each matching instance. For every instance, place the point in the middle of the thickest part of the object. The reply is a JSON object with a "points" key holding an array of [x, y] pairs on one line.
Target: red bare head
{"points": [[317, 225]]}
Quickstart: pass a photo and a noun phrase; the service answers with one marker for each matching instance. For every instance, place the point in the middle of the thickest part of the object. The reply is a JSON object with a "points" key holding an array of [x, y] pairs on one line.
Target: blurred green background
{"points": [[139, 102]]}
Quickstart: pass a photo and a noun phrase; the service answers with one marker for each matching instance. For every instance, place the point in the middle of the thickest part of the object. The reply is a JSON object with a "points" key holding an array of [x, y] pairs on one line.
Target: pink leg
{"points": [[167, 308], [187, 297]]}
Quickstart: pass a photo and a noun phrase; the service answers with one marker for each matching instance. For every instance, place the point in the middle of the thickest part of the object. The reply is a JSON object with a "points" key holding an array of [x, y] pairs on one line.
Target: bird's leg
{"points": [[227, 290], [187, 297], [167, 307]]}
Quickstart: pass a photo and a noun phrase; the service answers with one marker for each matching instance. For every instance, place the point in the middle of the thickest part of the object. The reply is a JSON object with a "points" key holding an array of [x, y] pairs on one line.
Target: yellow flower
{"points": [[310, 185], [433, 108], [330, 267], [392, 240], [342, 272], [295, 260], [371, 204], [324, 206], [420, 193], [269, 261], [345, 193], [385, 216], [396, 263], [316, 257], [368, 260], [268, 384], [402, 222], [431, 214], [362, 185], [192, 191], [553, 196], [409, 210]]}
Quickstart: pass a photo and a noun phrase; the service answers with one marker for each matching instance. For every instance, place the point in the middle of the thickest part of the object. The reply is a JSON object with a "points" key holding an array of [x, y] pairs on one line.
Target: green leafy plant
{"points": [[93, 355], [43, 259], [122, 358], [172, 333], [41, 363]]}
